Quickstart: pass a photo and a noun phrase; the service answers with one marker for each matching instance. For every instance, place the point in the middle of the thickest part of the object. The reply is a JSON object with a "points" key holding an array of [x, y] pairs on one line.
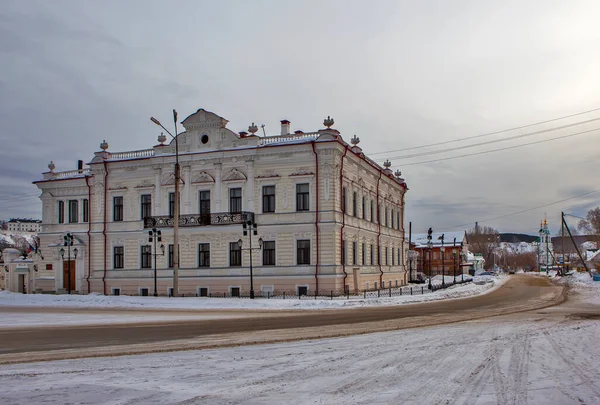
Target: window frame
{"points": [[268, 200], [303, 252], [145, 206], [146, 257], [118, 257], [302, 197], [118, 214], [73, 211], [235, 200], [235, 255], [269, 255], [203, 255], [85, 210], [61, 212], [354, 204]]}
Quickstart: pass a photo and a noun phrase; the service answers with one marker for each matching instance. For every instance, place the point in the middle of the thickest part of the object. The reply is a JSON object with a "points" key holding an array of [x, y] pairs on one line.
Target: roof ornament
{"points": [[253, 129], [355, 140], [162, 138], [104, 145], [51, 165], [387, 164], [328, 122], [398, 173]]}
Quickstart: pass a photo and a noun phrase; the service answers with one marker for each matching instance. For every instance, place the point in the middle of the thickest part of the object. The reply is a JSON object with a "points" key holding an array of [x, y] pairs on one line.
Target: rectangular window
{"points": [[398, 257], [344, 199], [398, 219], [235, 200], [269, 253], [343, 252], [364, 207], [171, 258], [61, 212], [378, 213], [144, 292], [302, 197], [372, 210], [86, 210], [203, 292], [146, 253], [268, 198], [393, 262], [146, 206], [372, 255], [386, 256], [354, 204], [172, 204], [235, 255], [73, 211], [379, 255], [118, 257], [364, 254], [118, 208], [392, 219], [354, 253], [234, 291], [387, 220], [204, 198], [303, 251], [204, 255]]}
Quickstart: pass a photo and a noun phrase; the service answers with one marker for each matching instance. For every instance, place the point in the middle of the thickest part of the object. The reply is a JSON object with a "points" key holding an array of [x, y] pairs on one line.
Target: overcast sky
{"points": [[398, 74]]}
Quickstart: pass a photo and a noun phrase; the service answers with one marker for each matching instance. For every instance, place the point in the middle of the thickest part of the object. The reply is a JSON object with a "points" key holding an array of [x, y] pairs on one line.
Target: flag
{"points": [[29, 248]]}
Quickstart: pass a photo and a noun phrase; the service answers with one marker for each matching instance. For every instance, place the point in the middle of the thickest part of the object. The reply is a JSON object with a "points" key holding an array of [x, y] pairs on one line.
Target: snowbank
{"points": [[131, 302]]}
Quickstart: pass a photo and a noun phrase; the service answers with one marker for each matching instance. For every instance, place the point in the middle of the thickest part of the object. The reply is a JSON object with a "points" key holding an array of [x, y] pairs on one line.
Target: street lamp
{"points": [[454, 258], [460, 258], [156, 236], [176, 213], [251, 226], [68, 242], [412, 255], [442, 250], [429, 246]]}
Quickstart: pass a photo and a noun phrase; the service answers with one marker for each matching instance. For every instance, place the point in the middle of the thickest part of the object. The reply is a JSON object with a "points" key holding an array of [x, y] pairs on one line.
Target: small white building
{"points": [[18, 272], [24, 225]]}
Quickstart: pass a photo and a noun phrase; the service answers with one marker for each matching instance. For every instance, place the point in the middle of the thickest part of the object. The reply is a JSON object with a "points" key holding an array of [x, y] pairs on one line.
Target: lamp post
{"points": [[251, 226], [176, 213], [460, 257], [68, 242], [442, 250], [412, 255], [156, 236], [429, 246]]}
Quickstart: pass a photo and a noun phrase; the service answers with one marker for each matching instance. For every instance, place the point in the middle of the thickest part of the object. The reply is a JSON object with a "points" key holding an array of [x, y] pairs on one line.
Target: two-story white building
{"points": [[24, 225], [329, 218]]}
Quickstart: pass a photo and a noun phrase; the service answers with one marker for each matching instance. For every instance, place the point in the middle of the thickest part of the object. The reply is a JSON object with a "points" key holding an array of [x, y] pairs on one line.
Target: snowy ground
{"points": [[494, 361], [543, 357], [135, 302]]}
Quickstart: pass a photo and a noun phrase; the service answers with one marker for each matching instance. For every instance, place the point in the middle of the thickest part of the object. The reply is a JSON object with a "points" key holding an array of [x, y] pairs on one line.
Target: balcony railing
{"points": [[215, 218]]}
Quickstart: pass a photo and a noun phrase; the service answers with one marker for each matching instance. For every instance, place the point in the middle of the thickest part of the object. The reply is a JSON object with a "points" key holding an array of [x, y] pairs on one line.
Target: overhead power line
{"points": [[500, 149], [487, 134], [529, 209], [474, 145]]}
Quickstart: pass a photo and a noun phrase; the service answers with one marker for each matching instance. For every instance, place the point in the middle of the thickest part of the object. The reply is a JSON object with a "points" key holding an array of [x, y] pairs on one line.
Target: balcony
{"points": [[190, 220]]}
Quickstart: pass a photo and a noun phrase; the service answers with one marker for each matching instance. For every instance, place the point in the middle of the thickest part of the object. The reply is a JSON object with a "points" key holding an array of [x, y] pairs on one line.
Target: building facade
{"points": [[329, 218], [24, 225], [447, 254]]}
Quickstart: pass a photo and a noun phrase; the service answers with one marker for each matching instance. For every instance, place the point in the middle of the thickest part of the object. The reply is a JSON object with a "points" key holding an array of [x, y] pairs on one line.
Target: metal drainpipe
{"points": [[316, 217], [379, 233], [104, 224], [87, 279], [343, 215]]}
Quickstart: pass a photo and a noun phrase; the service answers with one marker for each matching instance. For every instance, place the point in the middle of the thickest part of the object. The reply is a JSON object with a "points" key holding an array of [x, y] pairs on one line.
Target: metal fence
{"points": [[417, 289]]}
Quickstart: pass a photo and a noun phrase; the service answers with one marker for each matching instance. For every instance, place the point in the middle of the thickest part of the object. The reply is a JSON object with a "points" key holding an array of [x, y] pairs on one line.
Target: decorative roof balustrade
{"points": [[133, 154], [304, 136]]}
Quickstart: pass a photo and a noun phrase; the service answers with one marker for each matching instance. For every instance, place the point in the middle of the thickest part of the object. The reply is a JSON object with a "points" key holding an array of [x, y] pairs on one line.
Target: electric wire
{"points": [[487, 134]]}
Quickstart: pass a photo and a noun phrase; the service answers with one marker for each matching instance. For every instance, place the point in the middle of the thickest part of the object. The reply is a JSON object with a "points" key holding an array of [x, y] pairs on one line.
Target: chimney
{"points": [[80, 165], [285, 127], [243, 134]]}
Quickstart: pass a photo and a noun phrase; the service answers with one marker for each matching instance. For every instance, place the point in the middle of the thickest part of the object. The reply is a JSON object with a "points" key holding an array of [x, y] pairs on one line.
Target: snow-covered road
{"points": [[494, 361], [545, 357]]}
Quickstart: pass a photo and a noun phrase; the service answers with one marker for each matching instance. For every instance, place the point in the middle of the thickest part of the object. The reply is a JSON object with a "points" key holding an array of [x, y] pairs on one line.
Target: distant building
{"points": [[446, 254], [329, 217], [24, 225]]}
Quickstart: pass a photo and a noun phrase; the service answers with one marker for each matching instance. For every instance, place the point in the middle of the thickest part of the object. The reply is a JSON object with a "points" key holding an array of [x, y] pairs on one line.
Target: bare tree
{"points": [[591, 225], [485, 241]]}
